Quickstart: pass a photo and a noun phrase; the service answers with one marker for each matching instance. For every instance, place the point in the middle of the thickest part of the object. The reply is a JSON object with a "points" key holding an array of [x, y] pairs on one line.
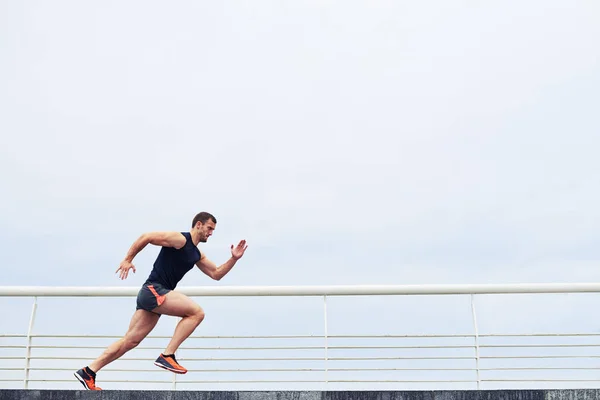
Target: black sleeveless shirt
{"points": [[172, 264]]}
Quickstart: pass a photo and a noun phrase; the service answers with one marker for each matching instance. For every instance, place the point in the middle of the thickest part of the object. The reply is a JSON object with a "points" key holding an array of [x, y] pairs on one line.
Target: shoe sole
{"points": [[80, 379], [177, 371]]}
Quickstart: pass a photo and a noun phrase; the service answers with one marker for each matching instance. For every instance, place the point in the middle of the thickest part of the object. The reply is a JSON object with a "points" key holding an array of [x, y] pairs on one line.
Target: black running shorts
{"points": [[151, 295]]}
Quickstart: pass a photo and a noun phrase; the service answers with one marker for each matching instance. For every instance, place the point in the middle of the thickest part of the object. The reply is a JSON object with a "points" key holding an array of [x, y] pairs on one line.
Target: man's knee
{"points": [[130, 341], [197, 314]]}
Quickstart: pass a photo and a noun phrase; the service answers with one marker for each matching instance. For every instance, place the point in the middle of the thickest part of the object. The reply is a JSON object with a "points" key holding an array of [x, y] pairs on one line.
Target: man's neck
{"points": [[195, 237]]}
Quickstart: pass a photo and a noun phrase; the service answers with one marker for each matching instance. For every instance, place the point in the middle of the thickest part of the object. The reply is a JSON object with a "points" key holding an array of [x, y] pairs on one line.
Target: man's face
{"points": [[206, 230]]}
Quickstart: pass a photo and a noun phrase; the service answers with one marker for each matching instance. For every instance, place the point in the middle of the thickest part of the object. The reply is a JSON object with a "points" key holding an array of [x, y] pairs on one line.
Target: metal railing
{"points": [[469, 360]]}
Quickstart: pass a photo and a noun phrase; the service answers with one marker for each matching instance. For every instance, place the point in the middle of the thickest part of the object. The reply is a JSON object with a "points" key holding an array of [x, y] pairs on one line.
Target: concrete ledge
{"points": [[21, 394]]}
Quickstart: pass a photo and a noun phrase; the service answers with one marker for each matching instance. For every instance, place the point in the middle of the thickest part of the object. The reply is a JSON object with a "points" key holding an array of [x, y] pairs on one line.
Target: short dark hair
{"points": [[203, 217]]}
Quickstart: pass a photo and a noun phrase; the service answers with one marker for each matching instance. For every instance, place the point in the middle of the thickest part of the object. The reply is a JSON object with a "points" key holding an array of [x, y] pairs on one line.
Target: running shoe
{"points": [[88, 381], [169, 363]]}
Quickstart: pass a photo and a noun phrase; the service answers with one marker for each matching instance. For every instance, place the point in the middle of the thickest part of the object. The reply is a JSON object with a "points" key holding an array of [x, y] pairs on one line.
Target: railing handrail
{"points": [[325, 290]]}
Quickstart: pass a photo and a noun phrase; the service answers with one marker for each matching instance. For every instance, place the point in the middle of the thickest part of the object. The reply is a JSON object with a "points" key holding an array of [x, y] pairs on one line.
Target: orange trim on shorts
{"points": [[159, 299]]}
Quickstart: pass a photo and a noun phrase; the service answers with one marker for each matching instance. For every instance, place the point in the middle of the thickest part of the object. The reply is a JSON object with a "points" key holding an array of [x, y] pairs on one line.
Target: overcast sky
{"points": [[379, 142]]}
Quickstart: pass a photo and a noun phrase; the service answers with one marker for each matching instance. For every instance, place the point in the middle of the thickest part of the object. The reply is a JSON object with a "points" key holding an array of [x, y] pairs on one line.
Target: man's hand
{"points": [[124, 268], [238, 251]]}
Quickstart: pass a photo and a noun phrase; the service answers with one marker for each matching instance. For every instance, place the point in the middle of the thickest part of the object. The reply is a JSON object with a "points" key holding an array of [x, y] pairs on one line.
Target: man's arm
{"points": [[211, 269], [216, 273], [165, 239]]}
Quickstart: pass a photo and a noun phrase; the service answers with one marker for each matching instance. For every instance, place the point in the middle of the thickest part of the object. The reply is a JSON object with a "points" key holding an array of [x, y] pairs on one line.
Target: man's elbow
{"points": [[145, 238], [216, 275]]}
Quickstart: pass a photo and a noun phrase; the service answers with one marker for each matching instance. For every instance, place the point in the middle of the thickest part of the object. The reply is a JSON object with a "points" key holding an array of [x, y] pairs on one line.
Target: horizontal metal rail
{"points": [[491, 346], [68, 336], [339, 290]]}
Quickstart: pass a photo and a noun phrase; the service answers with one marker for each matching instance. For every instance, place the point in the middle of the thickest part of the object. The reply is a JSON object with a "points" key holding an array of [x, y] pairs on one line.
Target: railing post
{"points": [[476, 340], [28, 349], [177, 320], [326, 346], [175, 379]]}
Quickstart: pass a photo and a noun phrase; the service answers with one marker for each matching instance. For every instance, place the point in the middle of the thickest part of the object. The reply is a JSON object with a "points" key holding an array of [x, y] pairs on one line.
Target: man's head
{"points": [[204, 223]]}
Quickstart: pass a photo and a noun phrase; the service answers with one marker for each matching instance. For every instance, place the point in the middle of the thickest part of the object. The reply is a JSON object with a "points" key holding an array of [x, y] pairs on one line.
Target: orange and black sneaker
{"points": [[169, 363], [87, 378]]}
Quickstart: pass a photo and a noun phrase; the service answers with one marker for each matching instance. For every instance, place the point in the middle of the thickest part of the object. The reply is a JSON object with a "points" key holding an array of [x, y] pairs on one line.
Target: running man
{"points": [[178, 255]]}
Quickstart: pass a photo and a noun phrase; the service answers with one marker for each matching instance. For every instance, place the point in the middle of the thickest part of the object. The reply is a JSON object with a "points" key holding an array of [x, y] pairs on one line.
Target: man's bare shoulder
{"points": [[166, 238]]}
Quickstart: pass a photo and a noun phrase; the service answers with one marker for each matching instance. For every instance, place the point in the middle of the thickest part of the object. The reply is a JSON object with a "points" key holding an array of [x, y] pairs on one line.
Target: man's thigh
{"points": [[177, 304]]}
